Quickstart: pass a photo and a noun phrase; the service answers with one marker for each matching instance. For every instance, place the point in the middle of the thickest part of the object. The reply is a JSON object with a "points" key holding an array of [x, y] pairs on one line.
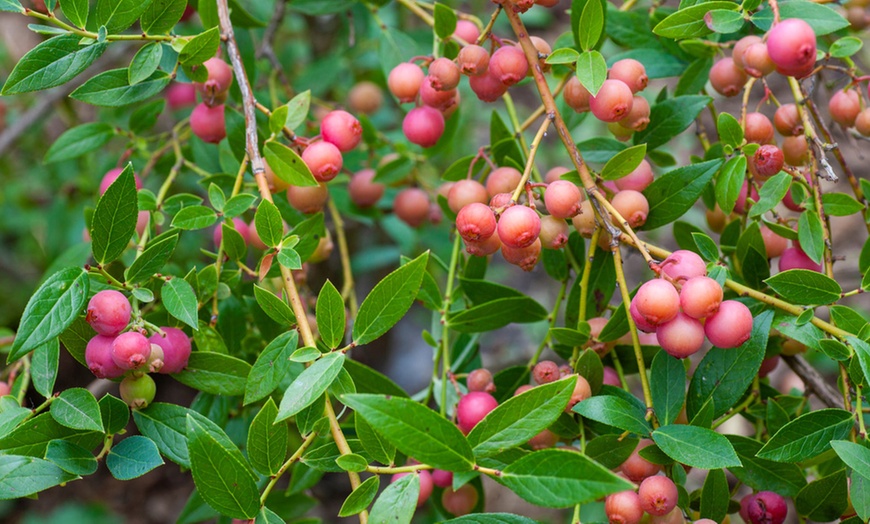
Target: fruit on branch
{"points": [[108, 312], [308, 199], [220, 77], [584, 221], [465, 192], [795, 258], [460, 502], [404, 81], [472, 408], [176, 349], [637, 468], [483, 248], [576, 95], [739, 50], [518, 226], [796, 150], [844, 107], [774, 244], [365, 97], [440, 100], [524, 257], [631, 72], [758, 129], [208, 123], [444, 74], [768, 365], [238, 224], [613, 101], [623, 508], [503, 180], [112, 175], [423, 126], [596, 326], [726, 78], [581, 392], [791, 45], [554, 232], [638, 180], [475, 222], [611, 377], [155, 360], [473, 60], [480, 380], [545, 371], [683, 264], [765, 507], [543, 440], [716, 219], [766, 162], [180, 95], [632, 206], [682, 336], [639, 320], [411, 205], [543, 48], [658, 495], [323, 159], [862, 122], [700, 297], [745, 190], [341, 129], [467, 30], [364, 191], [138, 392], [657, 301], [98, 358], [130, 350], [729, 327], [487, 87], [442, 478], [638, 118], [509, 65], [562, 199], [757, 60], [787, 120]]}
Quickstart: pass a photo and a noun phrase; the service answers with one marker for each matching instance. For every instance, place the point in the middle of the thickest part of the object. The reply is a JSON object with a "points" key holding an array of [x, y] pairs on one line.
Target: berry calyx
{"points": [[523, 257], [554, 232], [323, 159], [443, 74], [480, 380], [632, 205], [220, 77], [726, 78], [613, 101], [787, 120], [623, 508], [545, 371], [473, 60], [767, 161], [657, 302], [475, 222], [658, 495]]}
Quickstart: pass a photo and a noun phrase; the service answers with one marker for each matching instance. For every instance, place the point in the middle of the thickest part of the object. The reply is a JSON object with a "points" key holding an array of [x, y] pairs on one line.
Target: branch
{"points": [[814, 382]]}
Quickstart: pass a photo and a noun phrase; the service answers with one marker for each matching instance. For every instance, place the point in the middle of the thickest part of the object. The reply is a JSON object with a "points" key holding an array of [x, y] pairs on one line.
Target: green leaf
{"points": [[520, 418], [760, 474], [497, 313], [845, 47], [51, 309], [215, 373], [724, 21], [724, 374], [267, 441], [43, 367], [854, 455], [805, 287], [274, 307], [161, 16], [707, 247], [114, 219], [53, 62], [238, 204], [397, 503], [287, 165], [270, 227], [689, 22], [671, 117], [715, 496], [118, 15], [674, 193], [352, 462], [445, 21], [564, 55], [330, 315], [388, 302], [771, 194], [222, 476], [616, 412], [807, 436], [200, 48], [24, 476], [695, 446], [591, 25], [729, 182], [373, 443], [591, 68], [113, 89], [77, 141], [668, 387], [491, 518], [610, 450], [730, 131], [623, 162], [77, 408], [297, 110], [115, 414], [271, 367], [309, 385], [839, 204], [165, 424], [360, 498], [824, 499], [557, 478], [11, 6], [811, 235], [415, 430], [155, 256], [145, 116], [71, 458], [180, 301], [133, 457], [145, 62]]}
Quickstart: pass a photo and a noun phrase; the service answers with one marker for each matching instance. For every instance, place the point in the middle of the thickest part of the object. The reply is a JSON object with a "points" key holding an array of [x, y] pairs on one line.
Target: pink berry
{"points": [[637, 180], [155, 360], [503, 180], [341, 129], [726, 78], [632, 205], [423, 126], [509, 65], [767, 161], [482, 248], [745, 192], [767, 366], [472, 408], [774, 244], [412, 206], [757, 128], [682, 336], [475, 222], [473, 60], [729, 327], [545, 371], [739, 51], [562, 199], [791, 45], [638, 118], [308, 199], [442, 478], [220, 77], [363, 190], [658, 495], [365, 97], [466, 30], [787, 120], [208, 123], [613, 101], [700, 297], [576, 95], [519, 226], [683, 265], [623, 508], [523, 257], [795, 258], [844, 107], [554, 232], [113, 175], [757, 60], [4, 389], [480, 380], [426, 485], [465, 192], [631, 72], [405, 80], [461, 501], [487, 87], [611, 377], [582, 391], [657, 301], [440, 100], [98, 357], [180, 95], [130, 350], [443, 74], [108, 312], [323, 159], [637, 468], [543, 440]]}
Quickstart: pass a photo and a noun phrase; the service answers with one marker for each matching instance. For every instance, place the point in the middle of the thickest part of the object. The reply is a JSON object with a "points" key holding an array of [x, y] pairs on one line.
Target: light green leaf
{"points": [[309, 385], [77, 408]]}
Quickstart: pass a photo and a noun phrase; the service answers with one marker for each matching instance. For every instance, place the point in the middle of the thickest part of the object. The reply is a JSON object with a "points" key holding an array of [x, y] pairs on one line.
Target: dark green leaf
{"points": [[271, 366], [771, 194], [330, 314], [670, 118], [689, 21], [824, 499], [374, 444], [623, 162], [215, 373], [807, 436], [496, 314], [673, 193], [155, 256], [715, 496], [811, 235], [695, 446], [806, 287], [161, 16], [730, 131], [53, 62], [615, 412], [267, 442], [200, 48], [165, 424], [114, 219], [24, 476], [445, 21], [352, 462], [113, 89], [760, 474], [309, 385], [610, 450], [397, 503], [77, 408], [180, 301], [115, 414], [145, 62], [668, 387], [133, 457], [118, 15], [71, 458], [43, 367], [361, 497], [77, 141], [274, 307], [270, 227], [287, 165]]}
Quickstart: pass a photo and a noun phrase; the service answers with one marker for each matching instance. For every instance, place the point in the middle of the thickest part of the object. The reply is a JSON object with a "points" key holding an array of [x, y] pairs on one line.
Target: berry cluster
{"points": [[207, 119], [114, 353]]}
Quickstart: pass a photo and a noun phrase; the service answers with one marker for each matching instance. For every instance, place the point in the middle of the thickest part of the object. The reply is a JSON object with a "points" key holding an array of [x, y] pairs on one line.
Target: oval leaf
{"points": [[695, 446]]}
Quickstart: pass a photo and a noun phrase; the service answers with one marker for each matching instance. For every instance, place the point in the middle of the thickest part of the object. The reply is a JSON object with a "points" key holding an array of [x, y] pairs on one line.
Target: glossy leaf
{"points": [[155, 256], [806, 287], [496, 314], [77, 408], [807, 436], [591, 69], [689, 22], [397, 502], [165, 424], [671, 117], [200, 48], [695, 446], [215, 373], [51, 63], [615, 412], [43, 367], [24, 476], [271, 366], [114, 89], [784, 478], [274, 307], [623, 162], [330, 315], [287, 165], [361, 497], [145, 62], [673, 193], [133, 457], [161, 16], [180, 301], [71, 458], [309, 385], [114, 219], [267, 442], [668, 387], [811, 236], [77, 141], [715, 496]]}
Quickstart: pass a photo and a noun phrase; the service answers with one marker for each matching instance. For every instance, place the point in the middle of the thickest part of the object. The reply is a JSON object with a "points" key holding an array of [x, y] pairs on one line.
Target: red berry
{"points": [[98, 357], [308, 199], [130, 350], [623, 508], [480, 380], [473, 60], [484, 247], [112, 175], [323, 159], [774, 244], [576, 95], [638, 118], [767, 161], [180, 95], [631, 72], [637, 468], [758, 129], [466, 30], [208, 123], [138, 392], [682, 336], [364, 191], [767, 507], [176, 349], [442, 478], [503, 180], [460, 502], [405, 80], [795, 150], [440, 100], [487, 87], [423, 126], [740, 205], [341, 129], [632, 205], [657, 301], [108, 312], [426, 485], [562, 199], [729, 327], [545, 371], [658, 495], [683, 265], [465, 192], [787, 120], [524, 257], [472, 408], [700, 297], [726, 78], [611, 377], [791, 45], [844, 107], [220, 77], [613, 101], [365, 97], [518, 226], [757, 60], [443, 74], [581, 392], [554, 232], [638, 180], [509, 65], [795, 258], [475, 222], [412, 206]]}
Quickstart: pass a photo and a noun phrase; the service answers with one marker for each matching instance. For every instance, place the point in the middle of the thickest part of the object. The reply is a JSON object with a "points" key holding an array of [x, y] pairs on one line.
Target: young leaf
{"points": [[811, 235], [180, 301], [51, 309], [730, 131], [53, 62], [591, 25], [215, 373], [497, 313], [805, 287], [591, 68], [330, 315], [361, 497], [397, 503], [271, 366], [77, 408], [77, 141], [200, 48], [729, 182], [133, 457], [673, 193], [807, 436], [389, 301], [623, 162], [695, 446], [114, 220], [309, 385], [267, 442], [415, 430]]}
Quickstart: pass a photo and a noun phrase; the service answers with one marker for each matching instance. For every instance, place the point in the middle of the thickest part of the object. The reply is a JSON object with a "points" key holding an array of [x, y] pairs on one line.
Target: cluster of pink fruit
{"points": [[685, 306], [114, 353], [207, 119]]}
